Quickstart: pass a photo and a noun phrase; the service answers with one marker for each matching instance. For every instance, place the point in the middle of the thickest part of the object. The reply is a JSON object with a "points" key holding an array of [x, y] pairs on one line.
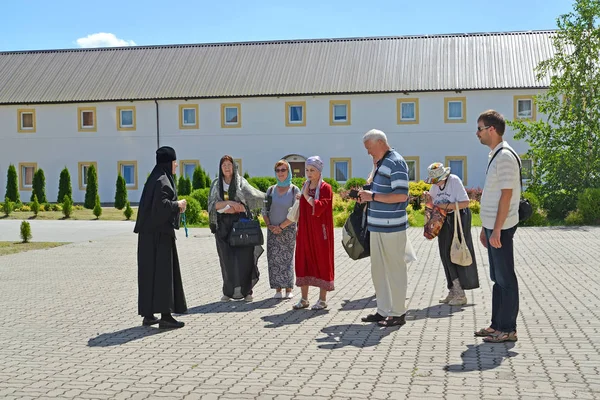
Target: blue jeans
{"points": [[505, 293]]}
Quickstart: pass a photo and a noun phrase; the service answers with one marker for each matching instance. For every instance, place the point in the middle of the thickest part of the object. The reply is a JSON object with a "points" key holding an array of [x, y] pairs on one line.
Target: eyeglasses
{"points": [[281, 170], [480, 128]]}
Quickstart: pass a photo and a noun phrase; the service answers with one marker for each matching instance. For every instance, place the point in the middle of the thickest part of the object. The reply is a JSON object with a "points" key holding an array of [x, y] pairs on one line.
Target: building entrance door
{"points": [[297, 163]]}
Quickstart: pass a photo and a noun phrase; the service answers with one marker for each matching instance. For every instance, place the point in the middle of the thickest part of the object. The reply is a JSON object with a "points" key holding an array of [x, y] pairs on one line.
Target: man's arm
{"points": [[503, 208]]}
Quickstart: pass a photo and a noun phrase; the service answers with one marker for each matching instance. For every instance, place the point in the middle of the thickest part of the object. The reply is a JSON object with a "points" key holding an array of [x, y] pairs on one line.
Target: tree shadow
{"points": [[359, 304], [482, 357], [437, 311], [234, 306], [340, 336], [124, 336], [292, 317]]}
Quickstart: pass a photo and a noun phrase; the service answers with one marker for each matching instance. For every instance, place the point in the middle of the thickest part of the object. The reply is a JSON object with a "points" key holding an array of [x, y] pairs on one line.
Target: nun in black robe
{"points": [[160, 288]]}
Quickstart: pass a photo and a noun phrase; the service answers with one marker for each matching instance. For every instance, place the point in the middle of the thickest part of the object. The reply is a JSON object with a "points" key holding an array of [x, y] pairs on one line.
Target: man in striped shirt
{"points": [[499, 219], [387, 223]]}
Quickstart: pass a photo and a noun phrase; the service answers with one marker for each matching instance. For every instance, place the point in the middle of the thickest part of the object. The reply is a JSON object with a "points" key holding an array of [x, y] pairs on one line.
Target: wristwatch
{"points": [[373, 196]]}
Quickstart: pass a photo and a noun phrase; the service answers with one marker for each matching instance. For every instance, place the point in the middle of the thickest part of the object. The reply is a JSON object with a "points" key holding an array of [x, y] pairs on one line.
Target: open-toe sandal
{"points": [[319, 305], [392, 321], [302, 303], [484, 332], [501, 337]]}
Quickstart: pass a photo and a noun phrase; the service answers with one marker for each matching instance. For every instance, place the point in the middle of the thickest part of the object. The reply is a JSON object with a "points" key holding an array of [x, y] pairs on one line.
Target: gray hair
{"points": [[375, 134]]}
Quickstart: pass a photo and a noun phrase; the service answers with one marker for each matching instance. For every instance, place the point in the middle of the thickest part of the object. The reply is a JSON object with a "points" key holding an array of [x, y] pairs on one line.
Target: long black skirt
{"points": [[160, 288], [239, 265], [467, 276]]}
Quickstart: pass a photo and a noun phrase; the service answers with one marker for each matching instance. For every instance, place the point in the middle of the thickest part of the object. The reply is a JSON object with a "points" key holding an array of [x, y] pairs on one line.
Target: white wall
{"points": [[262, 139]]}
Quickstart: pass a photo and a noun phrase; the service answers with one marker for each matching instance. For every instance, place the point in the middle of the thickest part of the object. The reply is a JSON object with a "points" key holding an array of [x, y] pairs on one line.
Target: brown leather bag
{"points": [[434, 220]]}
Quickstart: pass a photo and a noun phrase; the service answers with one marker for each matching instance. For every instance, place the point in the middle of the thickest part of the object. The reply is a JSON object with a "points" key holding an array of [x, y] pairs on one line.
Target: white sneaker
{"points": [[289, 295], [248, 298], [225, 298], [278, 295]]}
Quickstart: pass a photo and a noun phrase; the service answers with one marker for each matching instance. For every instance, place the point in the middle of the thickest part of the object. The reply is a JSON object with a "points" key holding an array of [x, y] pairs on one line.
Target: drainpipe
{"points": [[157, 126]]}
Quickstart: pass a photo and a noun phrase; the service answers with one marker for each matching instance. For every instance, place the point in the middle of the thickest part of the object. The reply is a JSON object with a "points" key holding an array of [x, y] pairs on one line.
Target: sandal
{"points": [[393, 321], [373, 318], [501, 337], [483, 332], [302, 303], [319, 305]]}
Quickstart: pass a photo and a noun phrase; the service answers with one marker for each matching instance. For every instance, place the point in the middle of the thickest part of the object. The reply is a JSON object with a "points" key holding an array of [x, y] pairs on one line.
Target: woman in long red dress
{"points": [[314, 241]]}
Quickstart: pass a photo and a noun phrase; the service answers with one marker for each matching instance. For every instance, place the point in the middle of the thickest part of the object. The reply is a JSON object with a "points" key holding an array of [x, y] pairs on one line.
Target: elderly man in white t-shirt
{"points": [[499, 219]]}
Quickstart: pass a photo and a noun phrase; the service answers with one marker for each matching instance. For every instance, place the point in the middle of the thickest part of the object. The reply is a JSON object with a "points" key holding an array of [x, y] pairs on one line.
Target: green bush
{"points": [[538, 217], [35, 206], [56, 207], [533, 200], [415, 193], [298, 181], [91, 190], [559, 204], [574, 218], [25, 231], [335, 186], [262, 183], [97, 207], [120, 193], [199, 178], [39, 186], [64, 185], [208, 180], [8, 206], [339, 219], [193, 211], [201, 195], [12, 185], [23, 208], [67, 206], [475, 206], [588, 205], [355, 183], [184, 188], [128, 211]]}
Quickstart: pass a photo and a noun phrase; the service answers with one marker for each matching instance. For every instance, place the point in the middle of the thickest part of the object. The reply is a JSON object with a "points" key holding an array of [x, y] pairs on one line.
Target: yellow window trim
{"points": [[80, 126], [135, 175], [125, 108], [332, 104], [463, 120], [417, 161], [289, 104], [516, 107], [80, 166], [20, 175], [332, 162], [183, 163], [239, 111], [20, 112], [458, 158], [184, 107], [238, 161], [399, 102]]}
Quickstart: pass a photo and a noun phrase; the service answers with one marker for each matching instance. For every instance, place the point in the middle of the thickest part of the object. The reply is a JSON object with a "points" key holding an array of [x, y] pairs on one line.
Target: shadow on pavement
{"points": [[234, 306], [292, 317], [124, 336], [482, 357], [340, 336]]}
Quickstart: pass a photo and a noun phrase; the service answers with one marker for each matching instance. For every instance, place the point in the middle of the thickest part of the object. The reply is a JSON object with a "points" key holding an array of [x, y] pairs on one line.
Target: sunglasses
{"points": [[281, 170], [480, 128]]}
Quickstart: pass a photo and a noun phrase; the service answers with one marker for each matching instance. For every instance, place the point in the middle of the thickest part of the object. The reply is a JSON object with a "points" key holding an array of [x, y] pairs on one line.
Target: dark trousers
{"points": [[505, 294]]}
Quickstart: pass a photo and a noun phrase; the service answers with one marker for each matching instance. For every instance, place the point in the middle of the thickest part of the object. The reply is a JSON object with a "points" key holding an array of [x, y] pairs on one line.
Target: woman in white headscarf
{"points": [[314, 241]]}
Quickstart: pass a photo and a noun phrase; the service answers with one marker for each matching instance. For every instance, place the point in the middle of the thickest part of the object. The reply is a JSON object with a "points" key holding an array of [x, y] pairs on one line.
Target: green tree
{"points": [[39, 186], [128, 211], [64, 186], [121, 193], [67, 206], [12, 185], [566, 146], [91, 189], [25, 231], [199, 178], [35, 206], [97, 207]]}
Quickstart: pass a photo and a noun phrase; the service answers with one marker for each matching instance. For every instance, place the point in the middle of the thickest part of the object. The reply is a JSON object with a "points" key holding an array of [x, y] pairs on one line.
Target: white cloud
{"points": [[103, 39]]}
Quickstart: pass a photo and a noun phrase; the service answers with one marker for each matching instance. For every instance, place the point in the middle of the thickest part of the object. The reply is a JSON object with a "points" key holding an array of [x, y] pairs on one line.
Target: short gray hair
{"points": [[375, 134]]}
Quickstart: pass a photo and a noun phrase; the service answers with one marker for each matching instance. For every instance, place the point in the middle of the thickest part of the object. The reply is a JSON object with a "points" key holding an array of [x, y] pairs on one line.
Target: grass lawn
{"points": [[108, 214], [12, 248]]}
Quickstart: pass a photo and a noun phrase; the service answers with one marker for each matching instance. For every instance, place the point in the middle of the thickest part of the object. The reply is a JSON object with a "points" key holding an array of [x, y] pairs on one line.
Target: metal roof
{"points": [[473, 61]]}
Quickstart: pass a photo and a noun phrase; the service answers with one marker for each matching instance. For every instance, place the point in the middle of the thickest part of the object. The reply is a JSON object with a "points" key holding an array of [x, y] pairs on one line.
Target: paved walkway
{"points": [[70, 329]]}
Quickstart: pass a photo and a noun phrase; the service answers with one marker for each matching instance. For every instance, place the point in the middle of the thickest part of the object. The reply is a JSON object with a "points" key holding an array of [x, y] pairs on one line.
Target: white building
{"points": [[259, 102]]}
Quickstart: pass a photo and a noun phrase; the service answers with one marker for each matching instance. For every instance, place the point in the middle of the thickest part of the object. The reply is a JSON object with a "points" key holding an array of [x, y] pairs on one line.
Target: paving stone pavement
{"points": [[70, 329]]}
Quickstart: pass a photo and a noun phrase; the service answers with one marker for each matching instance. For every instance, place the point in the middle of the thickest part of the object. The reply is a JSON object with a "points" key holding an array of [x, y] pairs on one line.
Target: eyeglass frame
{"points": [[281, 170], [480, 128]]}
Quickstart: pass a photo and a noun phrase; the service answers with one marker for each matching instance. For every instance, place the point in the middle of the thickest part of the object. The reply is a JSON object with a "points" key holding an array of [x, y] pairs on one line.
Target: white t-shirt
{"points": [[502, 174], [454, 191]]}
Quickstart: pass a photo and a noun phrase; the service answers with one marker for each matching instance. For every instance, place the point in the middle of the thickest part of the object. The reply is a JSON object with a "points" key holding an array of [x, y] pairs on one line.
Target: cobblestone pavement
{"points": [[70, 330]]}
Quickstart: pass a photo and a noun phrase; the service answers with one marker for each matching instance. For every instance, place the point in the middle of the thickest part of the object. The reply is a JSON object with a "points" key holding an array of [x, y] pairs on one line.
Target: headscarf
{"points": [[315, 161], [288, 180]]}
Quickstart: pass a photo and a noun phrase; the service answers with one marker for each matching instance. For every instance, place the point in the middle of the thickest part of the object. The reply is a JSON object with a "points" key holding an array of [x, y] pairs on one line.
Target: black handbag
{"points": [[246, 232]]}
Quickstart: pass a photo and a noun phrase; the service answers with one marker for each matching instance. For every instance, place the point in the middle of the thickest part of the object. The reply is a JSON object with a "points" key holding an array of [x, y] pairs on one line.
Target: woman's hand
{"points": [[237, 207], [182, 205]]}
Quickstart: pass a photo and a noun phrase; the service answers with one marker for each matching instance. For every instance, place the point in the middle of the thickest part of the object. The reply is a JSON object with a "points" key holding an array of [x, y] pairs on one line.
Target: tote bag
{"points": [[459, 252]]}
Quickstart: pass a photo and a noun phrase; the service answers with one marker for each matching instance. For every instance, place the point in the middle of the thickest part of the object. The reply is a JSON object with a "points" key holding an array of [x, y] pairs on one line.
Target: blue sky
{"points": [[44, 24]]}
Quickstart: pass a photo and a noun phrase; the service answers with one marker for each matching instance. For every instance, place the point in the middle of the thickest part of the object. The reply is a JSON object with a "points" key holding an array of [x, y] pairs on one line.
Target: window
{"points": [[128, 170], [339, 112], [295, 113], [26, 172], [341, 169], [526, 169], [408, 111], [86, 119], [238, 163], [458, 167], [524, 107], [126, 118], [26, 121], [231, 116], [187, 168], [414, 166], [83, 168], [188, 116], [455, 110]]}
